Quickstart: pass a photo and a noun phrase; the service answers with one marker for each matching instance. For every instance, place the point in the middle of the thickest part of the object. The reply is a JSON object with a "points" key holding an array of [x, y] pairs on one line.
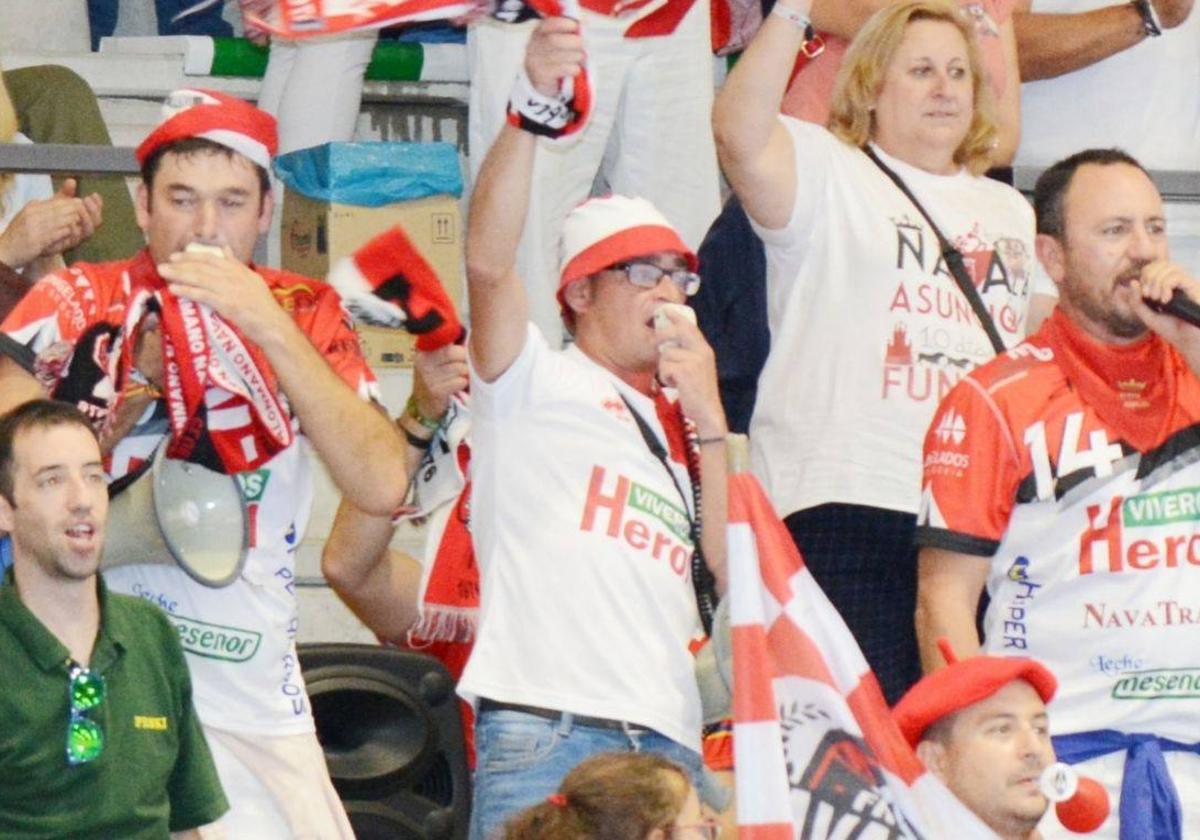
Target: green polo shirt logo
{"points": [[215, 641], [155, 723]]}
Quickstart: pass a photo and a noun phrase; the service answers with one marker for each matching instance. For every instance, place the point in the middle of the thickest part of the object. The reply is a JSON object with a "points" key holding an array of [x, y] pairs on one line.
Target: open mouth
{"points": [[82, 531]]}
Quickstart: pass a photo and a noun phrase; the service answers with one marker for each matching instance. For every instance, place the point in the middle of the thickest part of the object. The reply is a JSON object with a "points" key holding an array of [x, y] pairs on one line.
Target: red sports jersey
{"points": [[1094, 542], [240, 640], [67, 330]]}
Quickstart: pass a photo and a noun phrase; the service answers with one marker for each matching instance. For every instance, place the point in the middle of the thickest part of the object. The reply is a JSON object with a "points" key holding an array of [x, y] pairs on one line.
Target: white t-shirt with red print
{"points": [[583, 547], [868, 328]]}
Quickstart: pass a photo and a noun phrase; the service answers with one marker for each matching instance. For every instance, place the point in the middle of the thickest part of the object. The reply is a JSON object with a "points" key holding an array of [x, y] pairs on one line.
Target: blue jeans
{"points": [[521, 758]]}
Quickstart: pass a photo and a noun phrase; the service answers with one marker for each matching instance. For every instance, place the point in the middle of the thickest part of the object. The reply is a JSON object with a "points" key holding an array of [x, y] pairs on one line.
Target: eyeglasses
{"points": [[85, 738], [704, 830], [646, 275]]}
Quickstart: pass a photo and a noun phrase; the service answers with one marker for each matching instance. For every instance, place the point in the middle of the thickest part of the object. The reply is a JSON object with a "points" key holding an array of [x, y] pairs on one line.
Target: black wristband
{"points": [[413, 440], [1150, 23]]}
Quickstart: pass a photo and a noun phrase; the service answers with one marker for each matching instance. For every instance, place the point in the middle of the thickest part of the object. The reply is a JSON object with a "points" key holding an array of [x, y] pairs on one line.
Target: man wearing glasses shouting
{"points": [[586, 467], [98, 737]]}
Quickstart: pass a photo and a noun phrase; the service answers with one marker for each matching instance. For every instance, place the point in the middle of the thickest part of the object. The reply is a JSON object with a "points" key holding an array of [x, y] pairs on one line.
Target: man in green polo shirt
{"points": [[97, 733]]}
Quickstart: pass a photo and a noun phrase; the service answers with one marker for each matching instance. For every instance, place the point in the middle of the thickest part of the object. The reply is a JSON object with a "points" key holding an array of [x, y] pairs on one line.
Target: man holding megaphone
{"points": [[191, 353]]}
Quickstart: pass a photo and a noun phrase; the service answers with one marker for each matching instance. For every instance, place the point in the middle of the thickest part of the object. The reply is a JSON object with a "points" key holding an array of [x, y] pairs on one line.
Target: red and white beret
{"points": [[611, 229], [963, 683], [223, 119]]}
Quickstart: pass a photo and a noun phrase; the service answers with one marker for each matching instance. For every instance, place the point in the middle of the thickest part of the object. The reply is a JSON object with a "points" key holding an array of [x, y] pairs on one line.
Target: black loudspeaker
{"points": [[389, 723]]}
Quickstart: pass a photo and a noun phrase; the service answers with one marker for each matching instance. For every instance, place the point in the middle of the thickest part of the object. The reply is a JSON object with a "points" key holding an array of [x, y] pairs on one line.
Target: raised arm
{"points": [[362, 450], [379, 585], [1050, 45], [948, 588], [753, 146], [843, 18], [1008, 107], [687, 363], [499, 204]]}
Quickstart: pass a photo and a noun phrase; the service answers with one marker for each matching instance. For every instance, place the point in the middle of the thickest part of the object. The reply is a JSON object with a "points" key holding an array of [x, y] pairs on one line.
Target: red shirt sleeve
{"points": [[971, 472], [317, 310], [41, 331], [335, 337]]}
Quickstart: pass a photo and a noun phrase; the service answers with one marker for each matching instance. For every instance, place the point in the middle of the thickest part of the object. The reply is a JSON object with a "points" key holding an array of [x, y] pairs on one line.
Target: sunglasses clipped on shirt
{"points": [[646, 275], [85, 693]]}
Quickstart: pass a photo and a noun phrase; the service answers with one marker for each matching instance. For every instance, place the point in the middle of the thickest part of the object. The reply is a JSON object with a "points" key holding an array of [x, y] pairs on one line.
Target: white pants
{"points": [[649, 134], [278, 788], [1109, 769], [314, 87]]}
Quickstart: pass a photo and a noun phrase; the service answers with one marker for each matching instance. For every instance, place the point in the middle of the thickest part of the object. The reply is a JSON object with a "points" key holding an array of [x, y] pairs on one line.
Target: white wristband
{"points": [[797, 19], [539, 113]]}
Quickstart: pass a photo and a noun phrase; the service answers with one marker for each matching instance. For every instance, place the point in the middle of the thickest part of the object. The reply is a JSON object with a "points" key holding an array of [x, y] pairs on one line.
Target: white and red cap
{"points": [[223, 119], [610, 229]]}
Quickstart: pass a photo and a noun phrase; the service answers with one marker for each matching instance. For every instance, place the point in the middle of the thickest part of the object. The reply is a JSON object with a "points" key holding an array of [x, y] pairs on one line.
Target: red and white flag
{"points": [[306, 18], [816, 751]]}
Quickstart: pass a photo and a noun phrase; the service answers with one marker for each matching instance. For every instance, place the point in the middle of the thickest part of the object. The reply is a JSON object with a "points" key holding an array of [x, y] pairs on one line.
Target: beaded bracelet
{"points": [[410, 408]]}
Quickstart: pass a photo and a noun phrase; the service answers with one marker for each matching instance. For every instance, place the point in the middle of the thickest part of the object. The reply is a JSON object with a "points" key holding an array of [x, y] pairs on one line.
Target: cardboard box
{"points": [[316, 234]]}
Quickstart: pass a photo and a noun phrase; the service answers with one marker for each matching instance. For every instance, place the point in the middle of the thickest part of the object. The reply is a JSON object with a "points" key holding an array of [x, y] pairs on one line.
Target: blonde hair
{"points": [[851, 117], [8, 128]]}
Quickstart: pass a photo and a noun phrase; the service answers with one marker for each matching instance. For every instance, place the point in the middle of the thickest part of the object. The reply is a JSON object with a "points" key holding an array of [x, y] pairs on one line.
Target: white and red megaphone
{"points": [[1081, 802]]}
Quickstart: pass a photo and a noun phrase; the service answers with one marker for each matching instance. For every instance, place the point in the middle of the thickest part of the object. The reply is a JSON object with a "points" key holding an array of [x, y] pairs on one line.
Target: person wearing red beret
{"points": [[1063, 476], [980, 725]]}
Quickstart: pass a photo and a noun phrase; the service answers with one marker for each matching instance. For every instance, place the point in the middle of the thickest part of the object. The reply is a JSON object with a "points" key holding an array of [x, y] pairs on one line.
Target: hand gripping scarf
{"points": [[223, 407]]}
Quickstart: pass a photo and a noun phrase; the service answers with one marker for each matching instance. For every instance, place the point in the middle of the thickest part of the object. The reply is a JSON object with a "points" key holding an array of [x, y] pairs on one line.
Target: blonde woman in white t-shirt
{"points": [[36, 224], [868, 327]]}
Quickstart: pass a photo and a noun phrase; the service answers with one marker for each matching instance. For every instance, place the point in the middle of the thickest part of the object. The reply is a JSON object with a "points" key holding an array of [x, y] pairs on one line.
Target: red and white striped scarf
{"points": [[222, 402], [288, 19], [816, 751]]}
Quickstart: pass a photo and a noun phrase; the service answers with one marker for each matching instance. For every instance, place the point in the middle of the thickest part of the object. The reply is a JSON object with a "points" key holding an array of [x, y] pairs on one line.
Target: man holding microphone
{"points": [[585, 466], [1063, 476]]}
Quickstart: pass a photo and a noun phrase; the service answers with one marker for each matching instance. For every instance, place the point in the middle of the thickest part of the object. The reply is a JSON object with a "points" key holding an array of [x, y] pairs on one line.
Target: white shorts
{"points": [[278, 788]]}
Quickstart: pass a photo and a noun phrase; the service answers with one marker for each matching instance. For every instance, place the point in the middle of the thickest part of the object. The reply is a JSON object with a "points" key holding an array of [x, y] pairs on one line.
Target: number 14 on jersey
{"points": [[1099, 456]]}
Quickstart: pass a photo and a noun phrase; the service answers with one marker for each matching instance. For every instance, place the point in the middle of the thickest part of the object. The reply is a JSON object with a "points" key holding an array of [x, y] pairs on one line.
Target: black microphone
{"points": [[1180, 305]]}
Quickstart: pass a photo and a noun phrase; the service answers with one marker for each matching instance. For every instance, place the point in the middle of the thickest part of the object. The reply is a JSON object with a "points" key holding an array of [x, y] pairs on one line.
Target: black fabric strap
{"points": [[952, 256], [17, 351], [703, 582]]}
